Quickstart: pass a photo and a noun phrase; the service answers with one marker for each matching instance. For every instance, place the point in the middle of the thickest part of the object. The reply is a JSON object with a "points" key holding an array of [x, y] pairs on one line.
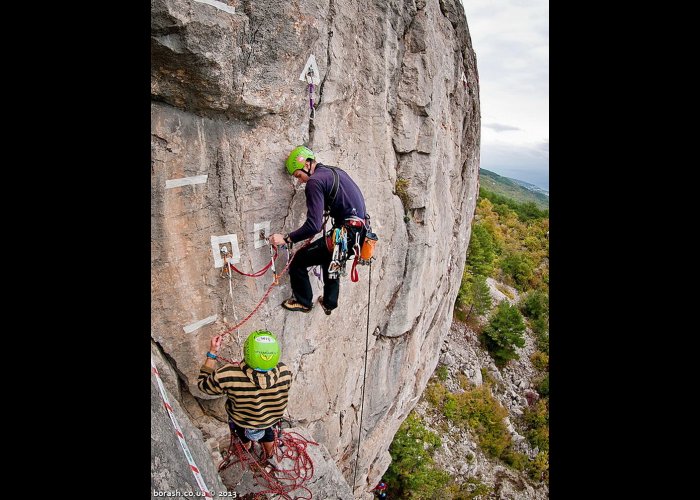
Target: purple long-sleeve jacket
{"points": [[348, 201]]}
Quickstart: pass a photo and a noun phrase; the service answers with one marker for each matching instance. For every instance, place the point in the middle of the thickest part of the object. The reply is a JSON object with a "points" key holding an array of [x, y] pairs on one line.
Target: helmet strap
{"points": [[309, 163]]}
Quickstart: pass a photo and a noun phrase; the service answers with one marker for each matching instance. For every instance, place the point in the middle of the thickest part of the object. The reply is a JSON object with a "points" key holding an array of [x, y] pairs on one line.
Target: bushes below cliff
{"points": [[412, 473]]}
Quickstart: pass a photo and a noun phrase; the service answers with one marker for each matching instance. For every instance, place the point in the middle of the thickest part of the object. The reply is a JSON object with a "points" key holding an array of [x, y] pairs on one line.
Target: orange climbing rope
{"points": [[278, 481]]}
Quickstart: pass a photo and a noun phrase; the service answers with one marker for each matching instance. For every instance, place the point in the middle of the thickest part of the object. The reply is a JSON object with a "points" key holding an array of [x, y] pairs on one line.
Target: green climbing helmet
{"points": [[261, 350], [297, 158]]}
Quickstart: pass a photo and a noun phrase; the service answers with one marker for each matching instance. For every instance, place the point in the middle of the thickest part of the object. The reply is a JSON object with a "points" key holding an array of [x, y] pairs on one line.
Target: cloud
{"points": [[526, 163], [499, 127], [511, 41]]}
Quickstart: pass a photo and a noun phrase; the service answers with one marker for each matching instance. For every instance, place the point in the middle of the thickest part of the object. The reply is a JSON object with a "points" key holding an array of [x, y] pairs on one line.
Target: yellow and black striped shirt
{"points": [[256, 400]]}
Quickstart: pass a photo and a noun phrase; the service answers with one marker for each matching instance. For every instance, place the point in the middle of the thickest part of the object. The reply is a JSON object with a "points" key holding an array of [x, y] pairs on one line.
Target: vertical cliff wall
{"points": [[392, 104]]}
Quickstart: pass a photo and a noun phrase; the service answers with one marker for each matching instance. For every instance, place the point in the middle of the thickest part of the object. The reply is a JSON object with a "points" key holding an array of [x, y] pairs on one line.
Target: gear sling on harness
{"points": [[339, 240]]}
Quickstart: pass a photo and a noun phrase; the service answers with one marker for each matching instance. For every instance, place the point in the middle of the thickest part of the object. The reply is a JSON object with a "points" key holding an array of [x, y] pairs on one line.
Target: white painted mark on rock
{"points": [[186, 181], [312, 67], [233, 256], [265, 228], [199, 324], [219, 5]]}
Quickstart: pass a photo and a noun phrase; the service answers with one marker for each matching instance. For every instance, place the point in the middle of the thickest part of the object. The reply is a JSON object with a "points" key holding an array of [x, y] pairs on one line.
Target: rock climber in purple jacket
{"points": [[331, 190]]}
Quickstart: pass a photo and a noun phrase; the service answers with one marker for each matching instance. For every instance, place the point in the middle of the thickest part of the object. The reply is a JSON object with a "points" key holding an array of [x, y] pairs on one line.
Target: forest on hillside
{"points": [[513, 189], [509, 243]]}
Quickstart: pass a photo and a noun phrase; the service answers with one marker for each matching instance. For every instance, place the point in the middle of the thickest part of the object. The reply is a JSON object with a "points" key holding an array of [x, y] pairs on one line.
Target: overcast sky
{"points": [[511, 41]]}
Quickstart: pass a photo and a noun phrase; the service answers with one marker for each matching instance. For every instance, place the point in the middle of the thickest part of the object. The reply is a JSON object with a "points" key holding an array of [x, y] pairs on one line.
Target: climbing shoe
{"points": [[292, 305], [325, 309]]}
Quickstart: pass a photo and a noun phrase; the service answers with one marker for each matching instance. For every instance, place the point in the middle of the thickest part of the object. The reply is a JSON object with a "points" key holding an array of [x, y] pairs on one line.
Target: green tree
{"points": [[536, 305], [504, 332], [481, 252], [536, 419], [474, 295], [519, 267], [412, 473]]}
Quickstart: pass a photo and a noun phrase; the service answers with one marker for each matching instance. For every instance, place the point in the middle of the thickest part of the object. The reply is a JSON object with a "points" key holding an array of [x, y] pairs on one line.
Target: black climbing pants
{"points": [[314, 255]]}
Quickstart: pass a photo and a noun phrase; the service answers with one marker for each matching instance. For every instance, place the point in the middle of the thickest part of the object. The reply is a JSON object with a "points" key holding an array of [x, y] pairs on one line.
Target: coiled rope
{"points": [[278, 481]]}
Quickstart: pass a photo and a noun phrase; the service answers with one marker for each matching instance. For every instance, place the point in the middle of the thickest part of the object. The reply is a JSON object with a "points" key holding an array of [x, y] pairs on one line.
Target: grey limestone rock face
{"points": [[227, 106], [170, 470]]}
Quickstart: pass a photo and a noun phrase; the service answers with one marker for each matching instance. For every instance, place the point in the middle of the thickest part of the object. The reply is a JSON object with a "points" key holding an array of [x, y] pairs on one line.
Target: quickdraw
{"points": [[339, 240], [273, 256], [310, 81], [228, 267]]}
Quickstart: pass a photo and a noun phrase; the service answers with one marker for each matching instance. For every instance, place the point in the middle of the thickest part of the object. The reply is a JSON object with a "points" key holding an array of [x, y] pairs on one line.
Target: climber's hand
{"points": [[277, 239], [215, 344]]}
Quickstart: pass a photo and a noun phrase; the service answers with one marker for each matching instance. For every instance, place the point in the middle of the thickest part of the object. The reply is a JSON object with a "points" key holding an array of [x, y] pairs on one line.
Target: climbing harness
{"points": [[337, 237], [286, 445], [337, 243], [364, 376]]}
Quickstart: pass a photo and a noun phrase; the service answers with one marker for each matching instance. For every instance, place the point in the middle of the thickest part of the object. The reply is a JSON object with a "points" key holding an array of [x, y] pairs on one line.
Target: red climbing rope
{"points": [[256, 274], [278, 481], [267, 292]]}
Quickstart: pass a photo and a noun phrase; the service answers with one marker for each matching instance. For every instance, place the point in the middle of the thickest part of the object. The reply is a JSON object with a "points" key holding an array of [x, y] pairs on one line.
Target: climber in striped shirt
{"points": [[257, 389]]}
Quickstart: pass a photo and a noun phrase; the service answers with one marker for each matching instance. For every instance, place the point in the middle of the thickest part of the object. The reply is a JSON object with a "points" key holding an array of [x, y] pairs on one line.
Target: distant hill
{"points": [[514, 189]]}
